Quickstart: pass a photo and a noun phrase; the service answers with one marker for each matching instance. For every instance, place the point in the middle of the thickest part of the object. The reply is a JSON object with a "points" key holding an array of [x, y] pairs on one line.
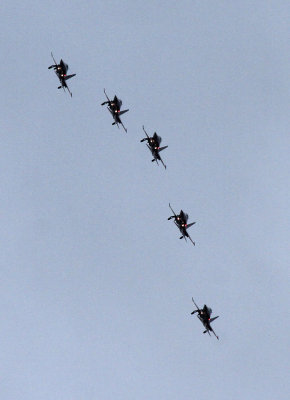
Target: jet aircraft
{"points": [[153, 144], [204, 316], [114, 106], [61, 72], [180, 221]]}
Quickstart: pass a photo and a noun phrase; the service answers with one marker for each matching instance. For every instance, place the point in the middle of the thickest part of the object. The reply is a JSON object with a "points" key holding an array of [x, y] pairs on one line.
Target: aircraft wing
{"points": [[172, 210], [162, 162], [195, 304], [53, 59], [191, 239], [69, 76], [123, 126], [122, 112], [145, 132], [106, 95], [214, 333], [65, 85], [162, 148]]}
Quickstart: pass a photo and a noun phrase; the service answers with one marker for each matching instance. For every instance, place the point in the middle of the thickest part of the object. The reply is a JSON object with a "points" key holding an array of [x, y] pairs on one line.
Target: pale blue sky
{"points": [[96, 287]]}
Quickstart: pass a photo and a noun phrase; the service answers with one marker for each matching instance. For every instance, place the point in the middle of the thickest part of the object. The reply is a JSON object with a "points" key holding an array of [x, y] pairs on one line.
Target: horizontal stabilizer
{"points": [[189, 225], [212, 319], [162, 148], [122, 112]]}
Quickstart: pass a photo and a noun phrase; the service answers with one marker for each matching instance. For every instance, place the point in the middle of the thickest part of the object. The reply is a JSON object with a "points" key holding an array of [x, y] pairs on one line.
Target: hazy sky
{"points": [[96, 287]]}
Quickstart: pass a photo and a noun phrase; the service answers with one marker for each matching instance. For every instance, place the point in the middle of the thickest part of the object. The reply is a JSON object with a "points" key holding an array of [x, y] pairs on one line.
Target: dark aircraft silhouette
{"points": [[204, 316], [61, 72], [114, 106], [153, 144], [180, 221]]}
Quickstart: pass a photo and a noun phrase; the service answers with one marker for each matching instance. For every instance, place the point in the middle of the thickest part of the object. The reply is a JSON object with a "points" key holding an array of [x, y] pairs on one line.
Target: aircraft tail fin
{"points": [[212, 319], [189, 225], [162, 148]]}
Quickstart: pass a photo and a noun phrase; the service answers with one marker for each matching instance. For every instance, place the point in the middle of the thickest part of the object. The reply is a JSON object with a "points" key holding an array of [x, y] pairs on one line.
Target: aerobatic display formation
{"points": [[153, 144]]}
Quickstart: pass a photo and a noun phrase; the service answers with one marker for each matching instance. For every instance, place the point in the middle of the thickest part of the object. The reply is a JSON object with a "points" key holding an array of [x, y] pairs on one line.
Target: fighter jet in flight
{"points": [[114, 106], [153, 144], [180, 221], [61, 72], [204, 315]]}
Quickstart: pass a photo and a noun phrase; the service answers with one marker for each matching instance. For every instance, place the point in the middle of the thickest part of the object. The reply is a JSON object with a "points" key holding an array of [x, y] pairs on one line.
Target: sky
{"points": [[95, 286]]}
